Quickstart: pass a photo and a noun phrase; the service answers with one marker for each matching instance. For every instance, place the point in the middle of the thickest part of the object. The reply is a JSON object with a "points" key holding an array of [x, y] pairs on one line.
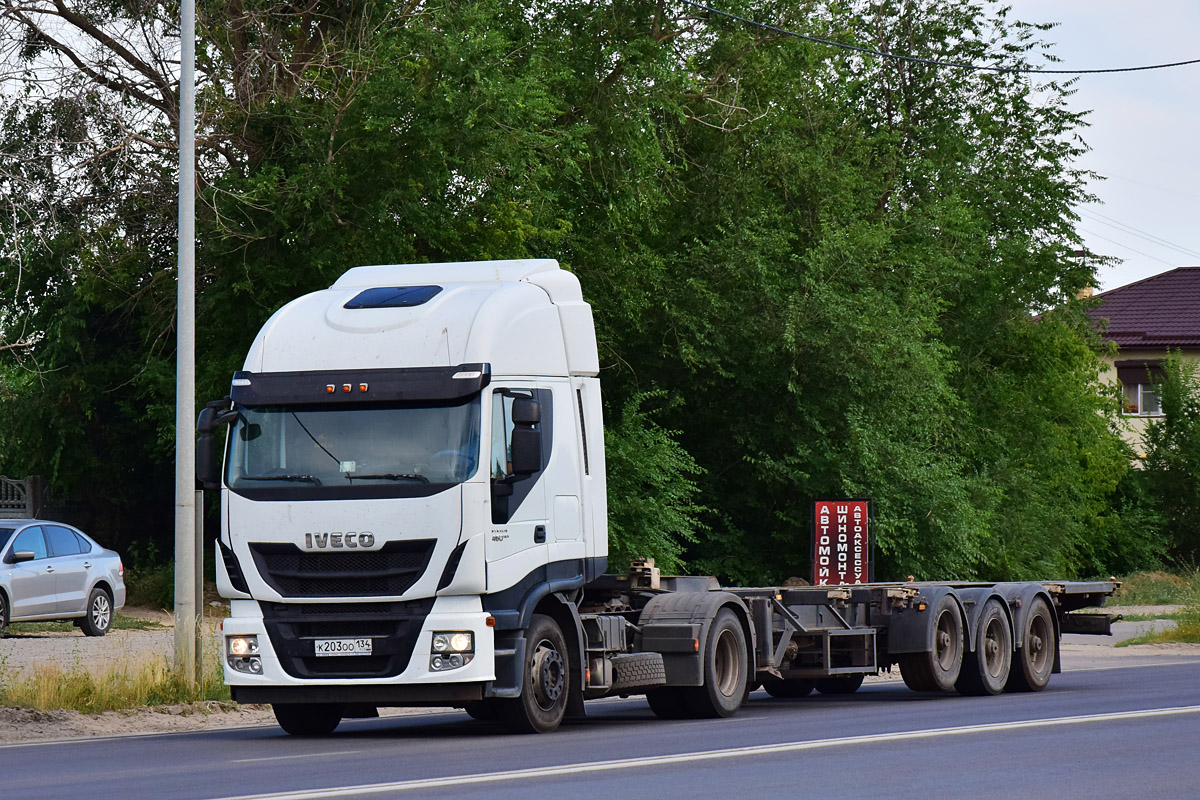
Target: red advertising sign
{"points": [[841, 542]]}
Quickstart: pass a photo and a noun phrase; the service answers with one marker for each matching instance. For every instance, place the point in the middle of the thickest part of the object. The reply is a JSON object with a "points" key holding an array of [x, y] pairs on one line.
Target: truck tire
{"points": [[938, 669], [839, 684], [669, 702], [637, 671], [1034, 661], [986, 670], [545, 684], [789, 687], [483, 710], [308, 719], [726, 668]]}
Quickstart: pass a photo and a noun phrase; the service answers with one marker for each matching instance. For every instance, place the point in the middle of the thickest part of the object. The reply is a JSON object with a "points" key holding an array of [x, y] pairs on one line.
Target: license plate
{"points": [[342, 647]]}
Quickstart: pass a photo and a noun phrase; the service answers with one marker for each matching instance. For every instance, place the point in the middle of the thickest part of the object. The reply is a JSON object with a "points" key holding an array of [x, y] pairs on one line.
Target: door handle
{"points": [[87, 565], [49, 568], [539, 534]]}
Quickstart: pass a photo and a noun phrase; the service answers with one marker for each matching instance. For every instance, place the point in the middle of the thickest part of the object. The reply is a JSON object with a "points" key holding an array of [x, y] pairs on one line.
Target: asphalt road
{"points": [[1110, 727]]}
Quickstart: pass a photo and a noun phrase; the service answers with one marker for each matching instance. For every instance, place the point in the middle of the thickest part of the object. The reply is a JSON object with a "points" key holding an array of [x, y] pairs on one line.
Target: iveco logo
{"points": [[337, 540]]}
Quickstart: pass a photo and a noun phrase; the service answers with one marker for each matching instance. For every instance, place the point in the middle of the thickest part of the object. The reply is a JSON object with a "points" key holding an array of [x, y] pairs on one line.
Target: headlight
{"points": [[241, 653], [451, 650], [242, 646]]}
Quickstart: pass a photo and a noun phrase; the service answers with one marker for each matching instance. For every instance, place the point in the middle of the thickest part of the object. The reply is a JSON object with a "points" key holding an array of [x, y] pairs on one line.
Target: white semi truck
{"points": [[413, 512]]}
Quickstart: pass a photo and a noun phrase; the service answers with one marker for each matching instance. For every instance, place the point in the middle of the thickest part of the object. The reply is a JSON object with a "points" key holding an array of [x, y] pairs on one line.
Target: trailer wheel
{"points": [[938, 669], [987, 669], [1035, 660], [725, 669], [840, 684], [308, 719], [789, 687], [546, 681]]}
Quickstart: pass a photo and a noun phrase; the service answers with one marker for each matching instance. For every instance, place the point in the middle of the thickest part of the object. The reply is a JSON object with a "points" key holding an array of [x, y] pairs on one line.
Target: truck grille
{"points": [[391, 570], [393, 628]]}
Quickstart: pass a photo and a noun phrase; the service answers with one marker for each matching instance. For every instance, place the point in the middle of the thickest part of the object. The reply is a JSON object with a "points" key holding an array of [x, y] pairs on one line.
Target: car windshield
{"points": [[302, 447]]}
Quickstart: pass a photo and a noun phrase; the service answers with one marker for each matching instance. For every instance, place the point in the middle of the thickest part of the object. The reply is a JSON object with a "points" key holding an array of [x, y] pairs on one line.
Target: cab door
{"points": [[519, 510]]}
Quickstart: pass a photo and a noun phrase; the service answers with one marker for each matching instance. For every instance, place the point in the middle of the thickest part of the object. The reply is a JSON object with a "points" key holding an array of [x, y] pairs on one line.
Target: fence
{"points": [[20, 499]]}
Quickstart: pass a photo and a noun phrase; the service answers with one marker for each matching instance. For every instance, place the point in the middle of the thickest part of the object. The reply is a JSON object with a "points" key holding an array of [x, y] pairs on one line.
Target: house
{"points": [[1146, 320]]}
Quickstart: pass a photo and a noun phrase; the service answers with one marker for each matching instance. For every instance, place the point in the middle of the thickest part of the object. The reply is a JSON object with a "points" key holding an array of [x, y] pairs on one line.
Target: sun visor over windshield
{"points": [[359, 385]]}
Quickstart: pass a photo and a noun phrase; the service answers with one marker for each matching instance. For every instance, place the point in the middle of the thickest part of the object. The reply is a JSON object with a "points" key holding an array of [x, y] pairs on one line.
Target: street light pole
{"points": [[186, 607]]}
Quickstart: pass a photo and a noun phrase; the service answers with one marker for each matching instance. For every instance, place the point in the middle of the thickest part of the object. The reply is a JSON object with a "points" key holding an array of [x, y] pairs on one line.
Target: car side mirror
{"points": [[23, 555]]}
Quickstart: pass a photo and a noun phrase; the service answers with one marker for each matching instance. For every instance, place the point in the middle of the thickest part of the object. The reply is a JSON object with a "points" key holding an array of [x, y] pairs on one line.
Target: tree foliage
{"points": [[837, 270], [1172, 467]]}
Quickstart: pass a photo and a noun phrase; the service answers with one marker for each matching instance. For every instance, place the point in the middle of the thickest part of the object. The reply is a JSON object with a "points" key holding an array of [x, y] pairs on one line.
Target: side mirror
{"points": [[22, 555], [208, 461], [526, 411], [526, 451]]}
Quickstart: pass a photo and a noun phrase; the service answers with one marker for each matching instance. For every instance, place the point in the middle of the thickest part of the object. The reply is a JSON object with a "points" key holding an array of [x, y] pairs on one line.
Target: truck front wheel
{"points": [[308, 719], [546, 682]]}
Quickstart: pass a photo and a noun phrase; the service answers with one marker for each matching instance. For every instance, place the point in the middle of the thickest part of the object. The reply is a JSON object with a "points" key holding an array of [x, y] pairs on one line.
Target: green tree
{"points": [[1172, 466]]}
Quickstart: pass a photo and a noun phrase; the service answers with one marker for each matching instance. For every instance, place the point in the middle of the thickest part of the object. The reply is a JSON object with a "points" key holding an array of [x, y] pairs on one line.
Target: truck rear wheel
{"points": [[938, 669], [789, 687], [987, 669], [308, 719], [1034, 661], [546, 682], [840, 684], [726, 667]]}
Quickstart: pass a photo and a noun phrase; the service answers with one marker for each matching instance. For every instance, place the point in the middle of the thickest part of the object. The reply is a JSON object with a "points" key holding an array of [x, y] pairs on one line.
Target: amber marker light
{"points": [[490, 621], [345, 387], [330, 388], [362, 387]]}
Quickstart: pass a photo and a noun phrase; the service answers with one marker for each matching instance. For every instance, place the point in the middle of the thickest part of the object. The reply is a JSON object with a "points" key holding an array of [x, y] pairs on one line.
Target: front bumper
{"points": [[398, 671]]}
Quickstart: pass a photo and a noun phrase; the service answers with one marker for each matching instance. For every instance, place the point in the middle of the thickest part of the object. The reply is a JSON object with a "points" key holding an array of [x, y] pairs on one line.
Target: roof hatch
{"points": [[393, 297]]}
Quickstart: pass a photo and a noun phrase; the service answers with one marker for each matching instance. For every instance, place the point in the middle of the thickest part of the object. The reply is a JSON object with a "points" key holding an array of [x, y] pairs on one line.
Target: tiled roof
{"points": [[1156, 312]]}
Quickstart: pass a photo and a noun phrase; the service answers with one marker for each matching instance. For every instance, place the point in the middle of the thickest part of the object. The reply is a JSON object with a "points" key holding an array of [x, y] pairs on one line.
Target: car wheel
{"points": [[3, 612], [99, 616]]}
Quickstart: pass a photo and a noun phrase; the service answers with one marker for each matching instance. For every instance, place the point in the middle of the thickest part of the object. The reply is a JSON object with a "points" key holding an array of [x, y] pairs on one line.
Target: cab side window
{"points": [[30, 539]]}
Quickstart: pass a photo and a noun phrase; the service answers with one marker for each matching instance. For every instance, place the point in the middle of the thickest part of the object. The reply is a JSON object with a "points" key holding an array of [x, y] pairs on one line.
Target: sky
{"points": [[1144, 129]]}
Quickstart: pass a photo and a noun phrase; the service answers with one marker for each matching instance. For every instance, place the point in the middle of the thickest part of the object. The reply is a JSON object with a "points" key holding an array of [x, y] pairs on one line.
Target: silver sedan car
{"points": [[49, 570]]}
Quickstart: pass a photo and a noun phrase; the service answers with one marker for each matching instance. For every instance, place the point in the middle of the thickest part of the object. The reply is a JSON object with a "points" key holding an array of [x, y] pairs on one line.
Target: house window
{"points": [[1140, 380], [1141, 400], [1148, 402]]}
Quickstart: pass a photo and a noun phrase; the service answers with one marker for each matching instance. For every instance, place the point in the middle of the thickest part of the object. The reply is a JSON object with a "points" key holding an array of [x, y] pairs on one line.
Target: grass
{"points": [[150, 683], [1187, 629], [120, 623], [1163, 588], [1158, 589]]}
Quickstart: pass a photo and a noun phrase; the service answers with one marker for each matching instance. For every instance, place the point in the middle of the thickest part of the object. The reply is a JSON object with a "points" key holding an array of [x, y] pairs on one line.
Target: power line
{"points": [[931, 61], [1127, 247], [1123, 227]]}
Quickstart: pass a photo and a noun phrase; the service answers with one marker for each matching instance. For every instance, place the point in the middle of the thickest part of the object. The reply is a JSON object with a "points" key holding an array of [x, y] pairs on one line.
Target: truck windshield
{"points": [[284, 448]]}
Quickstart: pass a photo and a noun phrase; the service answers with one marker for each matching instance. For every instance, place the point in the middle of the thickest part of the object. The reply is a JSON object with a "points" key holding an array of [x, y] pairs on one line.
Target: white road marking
{"points": [[456, 781], [301, 755]]}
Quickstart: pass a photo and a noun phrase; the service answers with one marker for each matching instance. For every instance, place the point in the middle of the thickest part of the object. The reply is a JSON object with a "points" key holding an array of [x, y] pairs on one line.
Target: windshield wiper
{"points": [[390, 476], [306, 478]]}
